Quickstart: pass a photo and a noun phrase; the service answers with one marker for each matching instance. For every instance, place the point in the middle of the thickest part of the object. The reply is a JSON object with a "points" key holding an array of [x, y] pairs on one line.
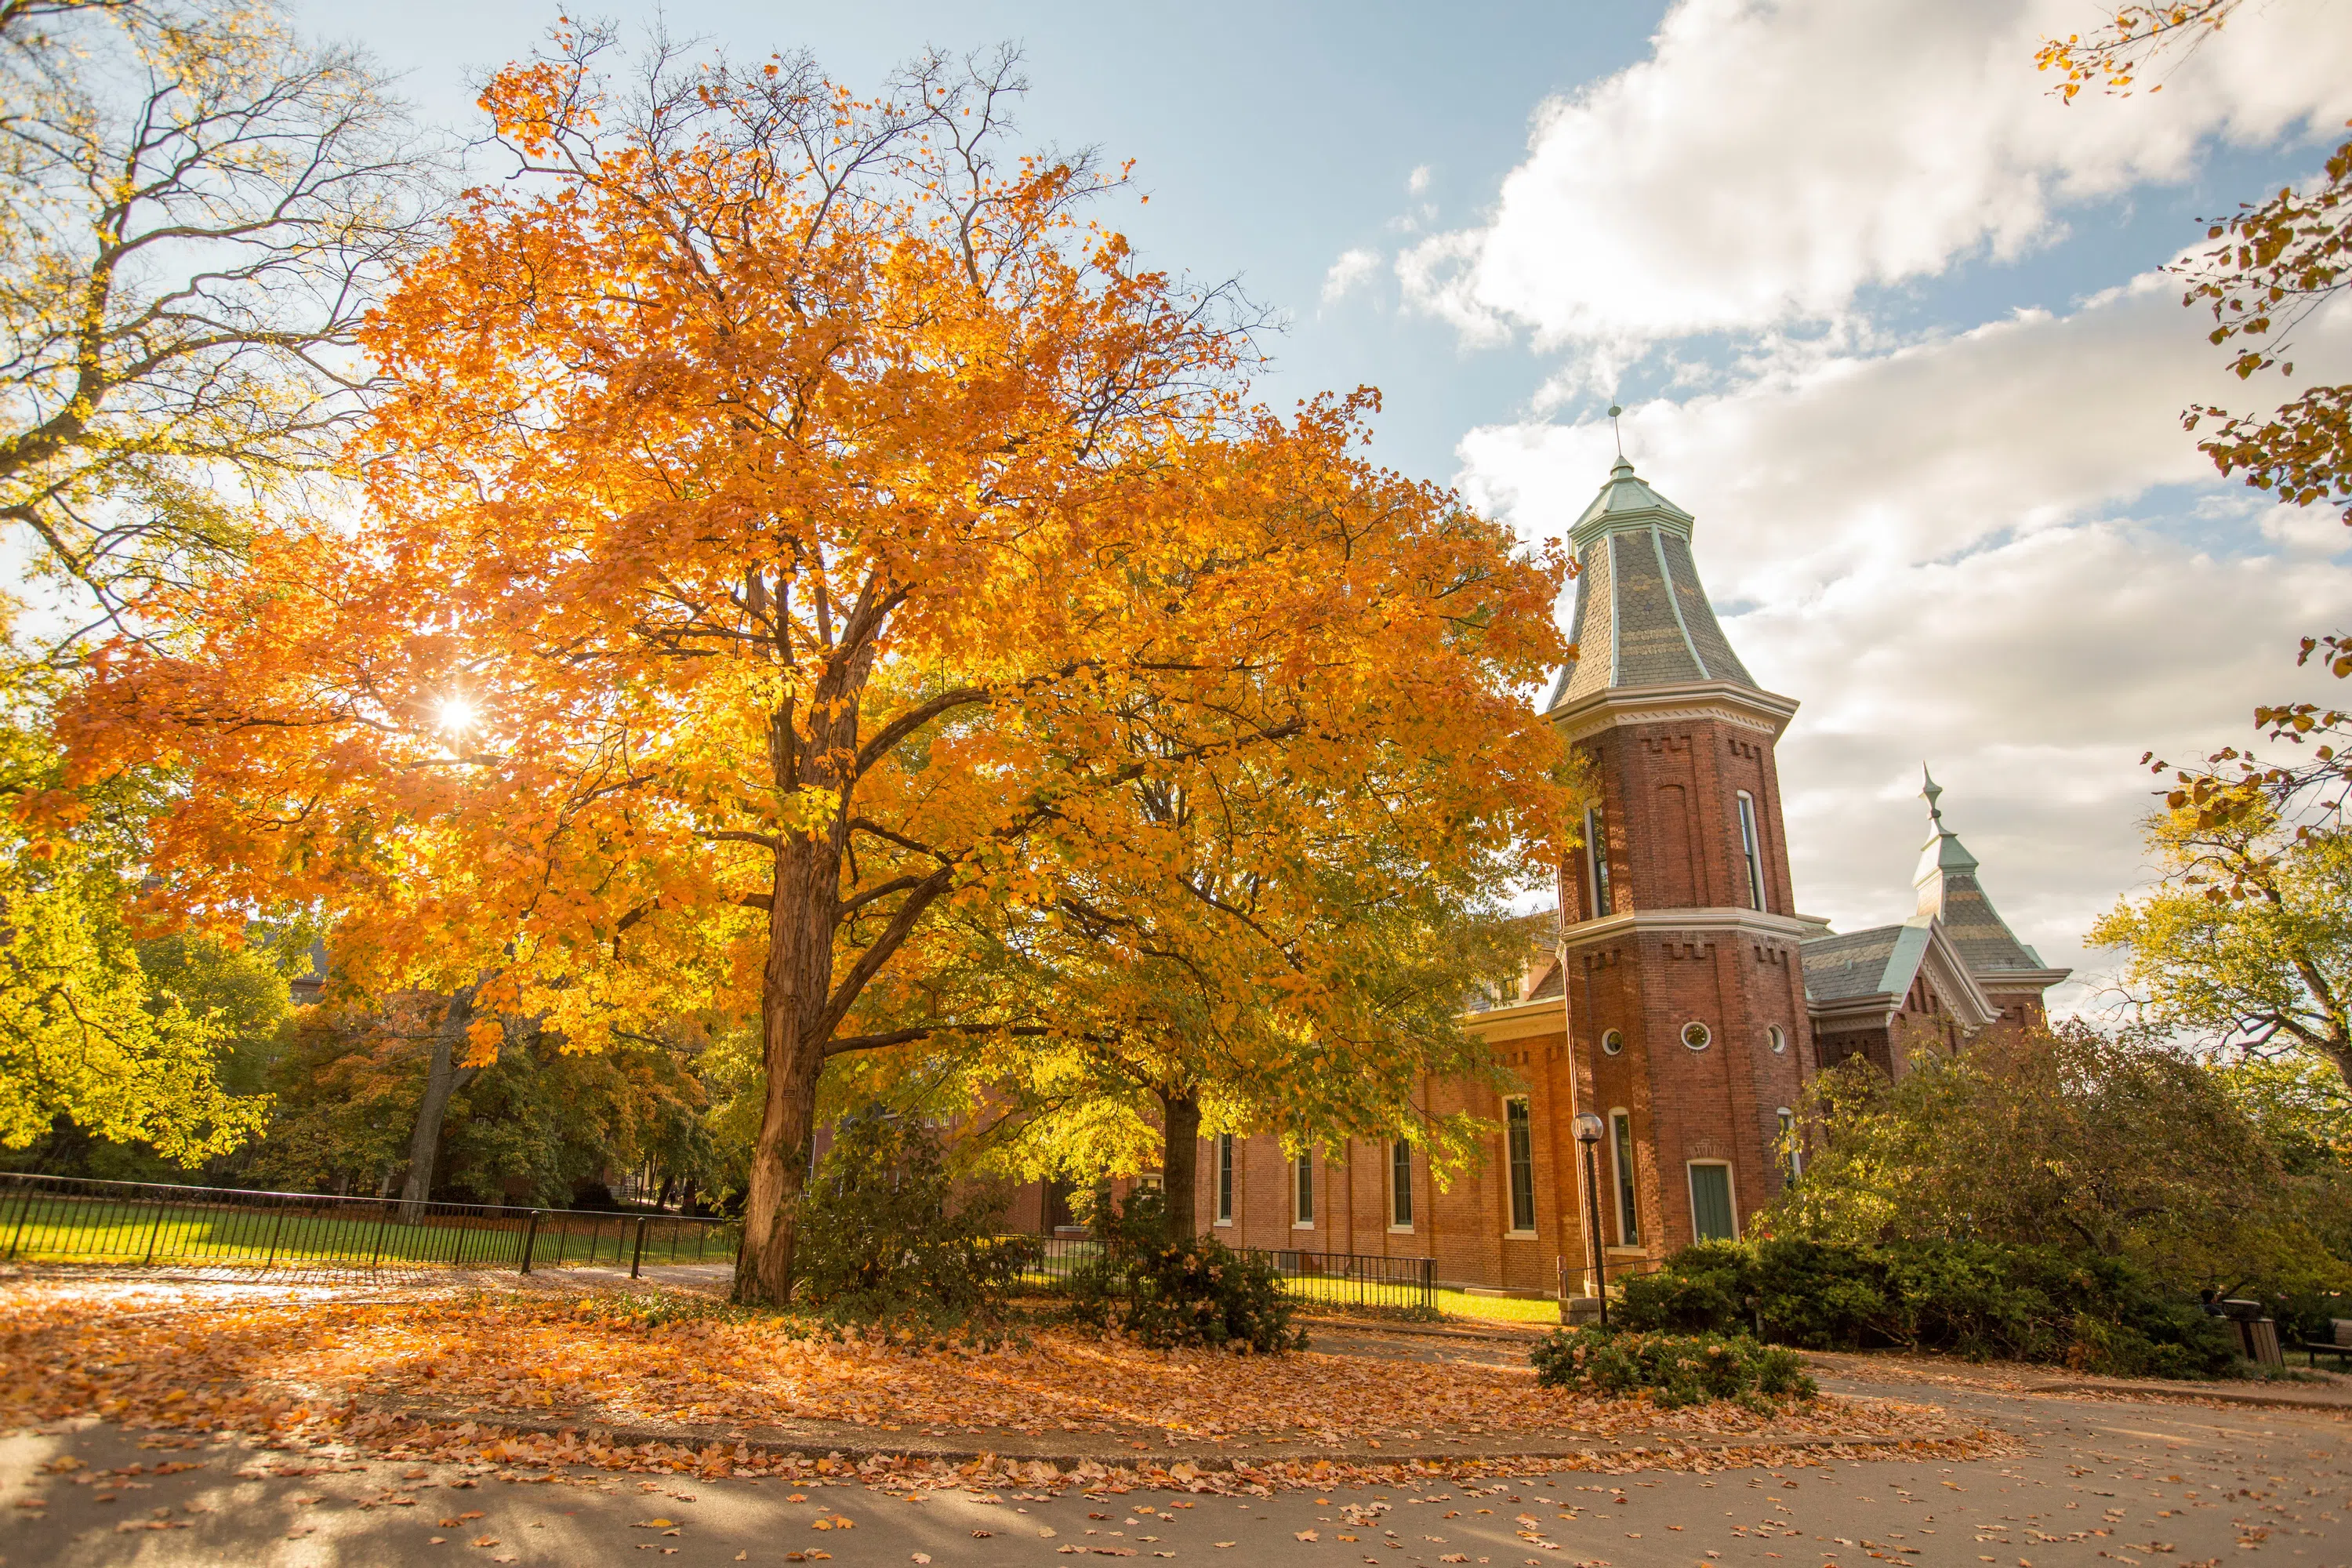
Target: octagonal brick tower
{"points": [[1685, 992]]}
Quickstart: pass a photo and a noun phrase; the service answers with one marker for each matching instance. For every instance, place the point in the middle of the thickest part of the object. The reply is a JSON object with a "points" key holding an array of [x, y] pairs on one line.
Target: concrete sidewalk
{"points": [[2100, 1484]]}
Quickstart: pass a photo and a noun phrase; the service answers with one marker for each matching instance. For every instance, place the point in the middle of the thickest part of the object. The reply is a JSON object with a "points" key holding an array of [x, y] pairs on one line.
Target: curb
{"points": [[2339, 1405], [814, 1449]]}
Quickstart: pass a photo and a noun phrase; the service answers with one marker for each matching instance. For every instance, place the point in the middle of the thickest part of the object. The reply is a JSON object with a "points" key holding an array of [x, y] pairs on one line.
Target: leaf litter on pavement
{"points": [[434, 1377]]}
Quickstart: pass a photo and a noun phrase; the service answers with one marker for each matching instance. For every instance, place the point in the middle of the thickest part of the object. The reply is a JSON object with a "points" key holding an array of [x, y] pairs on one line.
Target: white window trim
{"points": [[1731, 1186], [1751, 852], [1307, 1161], [1596, 863], [1511, 1232], [1219, 1192], [1410, 1196], [1617, 1178]]}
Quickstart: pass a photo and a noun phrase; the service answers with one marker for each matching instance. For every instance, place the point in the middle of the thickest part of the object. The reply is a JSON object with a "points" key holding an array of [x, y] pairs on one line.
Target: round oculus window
{"points": [[1775, 1037], [1612, 1042], [1697, 1035]]}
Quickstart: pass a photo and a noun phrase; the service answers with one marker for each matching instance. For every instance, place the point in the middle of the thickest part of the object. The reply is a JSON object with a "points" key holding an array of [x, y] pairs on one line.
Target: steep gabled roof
{"points": [[1864, 977], [1642, 618]]}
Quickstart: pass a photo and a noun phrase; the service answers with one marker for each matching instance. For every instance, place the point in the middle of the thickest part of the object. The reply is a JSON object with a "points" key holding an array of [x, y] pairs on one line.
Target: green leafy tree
{"points": [[2116, 1145], [89, 1047], [2247, 942], [1311, 984]]}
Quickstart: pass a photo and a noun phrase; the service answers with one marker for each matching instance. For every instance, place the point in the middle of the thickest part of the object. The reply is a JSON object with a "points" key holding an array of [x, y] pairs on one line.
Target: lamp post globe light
{"points": [[1589, 1131]]}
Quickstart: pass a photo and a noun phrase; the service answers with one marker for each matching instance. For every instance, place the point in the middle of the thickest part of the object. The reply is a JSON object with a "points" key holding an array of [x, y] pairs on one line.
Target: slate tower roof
{"points": [[1642, 616]]}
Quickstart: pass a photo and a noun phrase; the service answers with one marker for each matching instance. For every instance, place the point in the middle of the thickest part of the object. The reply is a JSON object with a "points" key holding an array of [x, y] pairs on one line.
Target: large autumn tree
{"points": [[791, 512], [1309, 981]]}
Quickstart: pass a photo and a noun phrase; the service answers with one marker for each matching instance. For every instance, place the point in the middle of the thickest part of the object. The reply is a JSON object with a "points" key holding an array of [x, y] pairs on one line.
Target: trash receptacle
{"points": [[2258, 1338]]}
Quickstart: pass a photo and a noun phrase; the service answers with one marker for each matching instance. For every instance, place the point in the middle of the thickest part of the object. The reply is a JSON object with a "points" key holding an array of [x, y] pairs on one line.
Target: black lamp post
{"points": [[1588, 1133]]}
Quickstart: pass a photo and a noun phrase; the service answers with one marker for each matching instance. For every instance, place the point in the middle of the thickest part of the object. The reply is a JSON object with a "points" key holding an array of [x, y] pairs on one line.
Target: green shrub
{"points": [[1702, 1289], [1974, 1298], [1170, 1291], [882, 1236], [1673, 1369]]}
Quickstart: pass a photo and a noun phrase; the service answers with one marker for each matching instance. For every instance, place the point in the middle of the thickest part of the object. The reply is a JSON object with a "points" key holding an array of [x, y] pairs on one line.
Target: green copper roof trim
{"points": [[1674, 603]]}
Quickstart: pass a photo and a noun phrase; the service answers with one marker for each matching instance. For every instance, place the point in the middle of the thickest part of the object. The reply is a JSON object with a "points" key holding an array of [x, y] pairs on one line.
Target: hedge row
{"points": [[1973, 1299]]}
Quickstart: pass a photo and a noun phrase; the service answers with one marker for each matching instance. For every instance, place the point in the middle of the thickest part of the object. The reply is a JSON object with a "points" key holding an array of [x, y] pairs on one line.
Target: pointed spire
{"points": [[1949, 889], [1641, 618], [1943, 851]]}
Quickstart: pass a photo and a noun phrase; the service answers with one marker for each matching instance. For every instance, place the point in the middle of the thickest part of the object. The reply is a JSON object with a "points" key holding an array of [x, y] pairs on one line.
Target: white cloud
{"points": [[2032, 677], [1773, 158], [1802, 477], [1418, 181], [1352, 268], [1998, 552]]}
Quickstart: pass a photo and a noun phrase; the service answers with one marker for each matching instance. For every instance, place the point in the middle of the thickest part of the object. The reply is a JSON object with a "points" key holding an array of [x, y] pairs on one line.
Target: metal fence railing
{"points": [[1322, 1278], [68, 1219], [1358, 1280]]}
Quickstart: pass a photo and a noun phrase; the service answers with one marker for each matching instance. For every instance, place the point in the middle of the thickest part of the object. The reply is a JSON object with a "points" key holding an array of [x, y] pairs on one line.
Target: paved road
{"points": [[2106, 1482]]}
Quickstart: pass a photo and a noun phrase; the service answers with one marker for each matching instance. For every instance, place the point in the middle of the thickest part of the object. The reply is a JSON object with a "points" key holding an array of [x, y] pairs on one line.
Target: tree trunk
{"points": [[796, 984], [443, 1078], [793, 988], [1180, 1163]]}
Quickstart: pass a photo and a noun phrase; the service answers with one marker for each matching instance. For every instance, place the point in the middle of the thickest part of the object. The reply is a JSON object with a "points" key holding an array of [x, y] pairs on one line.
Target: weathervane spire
{"points": [[1932, 792], [1614, 410]]}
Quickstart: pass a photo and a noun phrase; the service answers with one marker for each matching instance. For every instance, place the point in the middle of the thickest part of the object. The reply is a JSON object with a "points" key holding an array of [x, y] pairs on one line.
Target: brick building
{"points": [[1683, 1000]]}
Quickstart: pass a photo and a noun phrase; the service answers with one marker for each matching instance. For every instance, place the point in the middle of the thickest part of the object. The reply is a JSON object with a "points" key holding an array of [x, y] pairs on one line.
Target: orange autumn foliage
{"points": [[794, 524]]}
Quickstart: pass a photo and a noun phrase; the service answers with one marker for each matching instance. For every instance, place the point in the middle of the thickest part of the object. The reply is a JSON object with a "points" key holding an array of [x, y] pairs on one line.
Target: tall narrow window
{"points": [[1520, 1135], [1750, 847], [1400, 1186], [1596, 860], [1225, 1178], [1710, 1191], [1302, 1181], [1629, 1214], [1792, 1158]]}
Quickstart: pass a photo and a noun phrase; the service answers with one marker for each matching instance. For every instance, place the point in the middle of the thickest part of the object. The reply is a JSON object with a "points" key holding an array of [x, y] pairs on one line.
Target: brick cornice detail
{"points": [[1675, 923], [1741, 706]]}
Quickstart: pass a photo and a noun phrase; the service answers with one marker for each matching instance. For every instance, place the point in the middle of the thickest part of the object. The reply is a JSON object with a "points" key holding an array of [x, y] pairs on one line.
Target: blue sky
{"points": [[1885, 315]]}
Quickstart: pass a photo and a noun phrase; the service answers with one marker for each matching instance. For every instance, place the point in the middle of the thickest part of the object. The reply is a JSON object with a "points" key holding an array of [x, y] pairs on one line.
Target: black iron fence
{"points": [[1358, 1280], [1324, 1279], [69, 1219], [66, 1220]]}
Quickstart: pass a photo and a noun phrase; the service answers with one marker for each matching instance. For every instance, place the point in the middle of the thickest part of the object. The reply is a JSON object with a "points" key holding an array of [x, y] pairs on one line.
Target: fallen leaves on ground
{"points": [[533, 1357], [431, 1378]]}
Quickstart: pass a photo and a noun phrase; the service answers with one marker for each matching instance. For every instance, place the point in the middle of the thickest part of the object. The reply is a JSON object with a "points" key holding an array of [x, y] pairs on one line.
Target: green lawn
{"points": [[1497, 1309], [59, 1229]]}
